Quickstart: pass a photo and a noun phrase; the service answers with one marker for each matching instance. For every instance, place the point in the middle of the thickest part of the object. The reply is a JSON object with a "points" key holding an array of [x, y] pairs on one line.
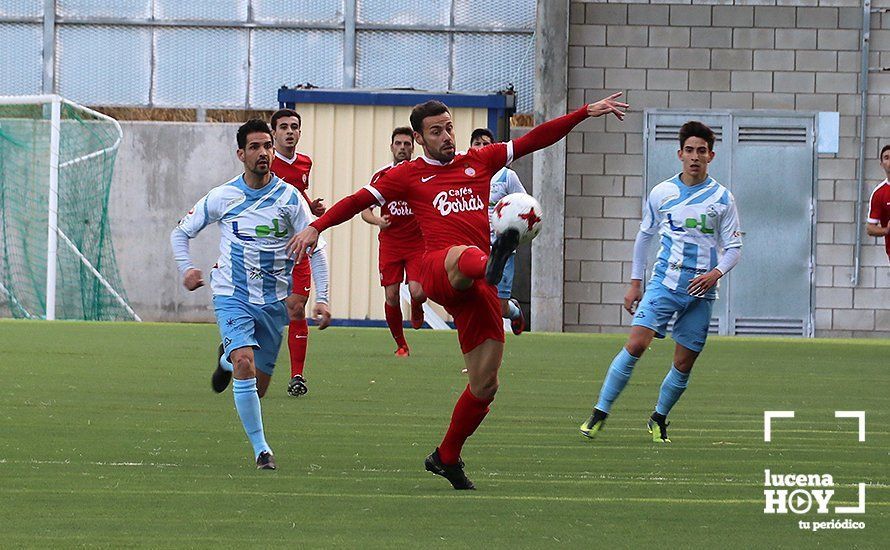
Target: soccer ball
{"points": [[520, 212]]}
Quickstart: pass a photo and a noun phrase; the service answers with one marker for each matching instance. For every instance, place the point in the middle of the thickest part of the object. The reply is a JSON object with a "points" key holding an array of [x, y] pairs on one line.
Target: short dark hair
{"points": [[694, 128], [424, 110], [251, 126], [400, 131], [282, 113], [479, 132], [886, 147]]}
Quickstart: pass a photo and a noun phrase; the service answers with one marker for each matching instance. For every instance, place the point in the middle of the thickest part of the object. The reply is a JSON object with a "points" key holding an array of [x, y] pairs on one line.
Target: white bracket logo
{"points": [[800, 501]]}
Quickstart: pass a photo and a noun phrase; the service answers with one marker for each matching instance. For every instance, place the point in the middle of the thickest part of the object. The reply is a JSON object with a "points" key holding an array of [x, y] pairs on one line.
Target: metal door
{"points": [[772, 180]]}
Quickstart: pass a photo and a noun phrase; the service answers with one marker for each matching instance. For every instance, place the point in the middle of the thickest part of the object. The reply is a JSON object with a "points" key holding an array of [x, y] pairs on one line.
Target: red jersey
{"points": [[450, 201], [294, 171], [403, 232], [879, 210]]}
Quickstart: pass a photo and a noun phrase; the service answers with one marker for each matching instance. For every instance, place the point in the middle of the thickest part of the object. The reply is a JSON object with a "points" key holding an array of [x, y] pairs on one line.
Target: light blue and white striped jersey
{"points": [[255, 225], [504, 182], [696, 224]]}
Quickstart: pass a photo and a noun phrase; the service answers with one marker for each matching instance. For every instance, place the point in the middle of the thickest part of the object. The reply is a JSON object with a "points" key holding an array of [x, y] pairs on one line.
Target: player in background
{"points": [[294, 167], [448, 193], [878, 224], [700, 242], [401, 248], [256, 213], [503, 183]]}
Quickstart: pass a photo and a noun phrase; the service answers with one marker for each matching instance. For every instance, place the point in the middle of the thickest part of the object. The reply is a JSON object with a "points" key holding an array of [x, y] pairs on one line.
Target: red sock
{"points": [[416, 314], [468, 414], [297, 338], [472, 263], [394, 320]]}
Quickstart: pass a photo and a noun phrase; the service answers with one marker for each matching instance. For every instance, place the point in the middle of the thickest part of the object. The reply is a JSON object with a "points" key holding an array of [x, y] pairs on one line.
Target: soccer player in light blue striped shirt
{"points": [[257, 213], [697, 220]]}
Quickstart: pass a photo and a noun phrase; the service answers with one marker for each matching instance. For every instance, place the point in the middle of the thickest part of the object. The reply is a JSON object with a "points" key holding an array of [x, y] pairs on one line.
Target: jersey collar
{"points": [[701, 185], [250, 191], [285, 159], [435, 162]]}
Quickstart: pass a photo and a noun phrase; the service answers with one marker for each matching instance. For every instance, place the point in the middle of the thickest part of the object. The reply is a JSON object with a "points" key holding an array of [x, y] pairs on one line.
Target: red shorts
{"points": [[302, 278], [476, 310], [397, 266]]}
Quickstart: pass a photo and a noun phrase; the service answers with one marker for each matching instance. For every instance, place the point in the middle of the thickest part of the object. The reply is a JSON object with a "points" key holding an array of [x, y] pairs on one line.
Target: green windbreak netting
{"points": [[87, 149]]}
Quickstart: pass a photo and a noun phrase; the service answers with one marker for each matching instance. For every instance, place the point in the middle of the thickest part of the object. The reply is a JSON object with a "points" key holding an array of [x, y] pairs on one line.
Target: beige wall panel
{"points": [[348, 144]]}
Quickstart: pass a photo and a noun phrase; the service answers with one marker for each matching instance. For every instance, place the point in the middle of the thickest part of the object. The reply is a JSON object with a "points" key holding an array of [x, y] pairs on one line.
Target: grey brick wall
{"points": [[744, 54]]}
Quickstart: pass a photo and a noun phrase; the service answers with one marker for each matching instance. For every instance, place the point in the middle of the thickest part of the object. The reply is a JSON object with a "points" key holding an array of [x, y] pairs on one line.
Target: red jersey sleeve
{"points": [[876, 207], [496, 155], [387, 185]]}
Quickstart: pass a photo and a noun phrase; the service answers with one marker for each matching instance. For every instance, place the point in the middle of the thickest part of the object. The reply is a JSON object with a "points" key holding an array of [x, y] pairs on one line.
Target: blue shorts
{"points": [[505, 287], [242, 324], [659, 304]]}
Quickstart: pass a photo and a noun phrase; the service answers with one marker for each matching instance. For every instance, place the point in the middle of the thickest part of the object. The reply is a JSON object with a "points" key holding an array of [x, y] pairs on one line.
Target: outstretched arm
{"points": [[343, 210], [548, 133]]}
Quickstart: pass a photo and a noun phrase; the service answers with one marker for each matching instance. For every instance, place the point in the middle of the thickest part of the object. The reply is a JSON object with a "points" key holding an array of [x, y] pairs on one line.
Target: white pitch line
{"points": [[413, 496], [68, 462], [507, 477]]}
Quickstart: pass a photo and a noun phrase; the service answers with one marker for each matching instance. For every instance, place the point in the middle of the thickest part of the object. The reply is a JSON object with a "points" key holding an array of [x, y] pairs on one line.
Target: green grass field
{"points": [[112, 437]]}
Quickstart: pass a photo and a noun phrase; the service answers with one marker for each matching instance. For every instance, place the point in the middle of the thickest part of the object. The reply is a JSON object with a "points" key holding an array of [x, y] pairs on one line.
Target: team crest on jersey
{"points": [[712, 211], [469, 171]]}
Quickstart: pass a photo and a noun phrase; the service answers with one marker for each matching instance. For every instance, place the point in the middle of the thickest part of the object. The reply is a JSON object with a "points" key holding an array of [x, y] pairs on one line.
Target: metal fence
{"points": [[237, 53]]}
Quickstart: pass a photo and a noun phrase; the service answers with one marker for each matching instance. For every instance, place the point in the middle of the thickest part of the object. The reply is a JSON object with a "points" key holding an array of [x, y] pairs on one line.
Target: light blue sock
{"points": [[247, 402], [671, 389], [616, 378], [225, 364], [514, 311]]}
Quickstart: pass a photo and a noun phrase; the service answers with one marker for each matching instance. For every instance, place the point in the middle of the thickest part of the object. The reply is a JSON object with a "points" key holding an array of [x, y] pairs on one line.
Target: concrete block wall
{"points": [[756, 54]]}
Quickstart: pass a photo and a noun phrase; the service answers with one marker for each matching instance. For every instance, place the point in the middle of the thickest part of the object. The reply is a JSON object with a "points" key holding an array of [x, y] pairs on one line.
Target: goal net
{"points": [[56, 254]]}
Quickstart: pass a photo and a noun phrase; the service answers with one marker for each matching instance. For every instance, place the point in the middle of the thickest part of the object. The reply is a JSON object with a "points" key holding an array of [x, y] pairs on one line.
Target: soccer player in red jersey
{"points": [[401, 248], [294, 167], [449, 193], [878, 224]]}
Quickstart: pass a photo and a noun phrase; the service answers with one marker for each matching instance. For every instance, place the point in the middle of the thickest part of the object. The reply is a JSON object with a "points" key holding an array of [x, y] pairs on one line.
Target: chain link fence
{"points": [[237, 53]]}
